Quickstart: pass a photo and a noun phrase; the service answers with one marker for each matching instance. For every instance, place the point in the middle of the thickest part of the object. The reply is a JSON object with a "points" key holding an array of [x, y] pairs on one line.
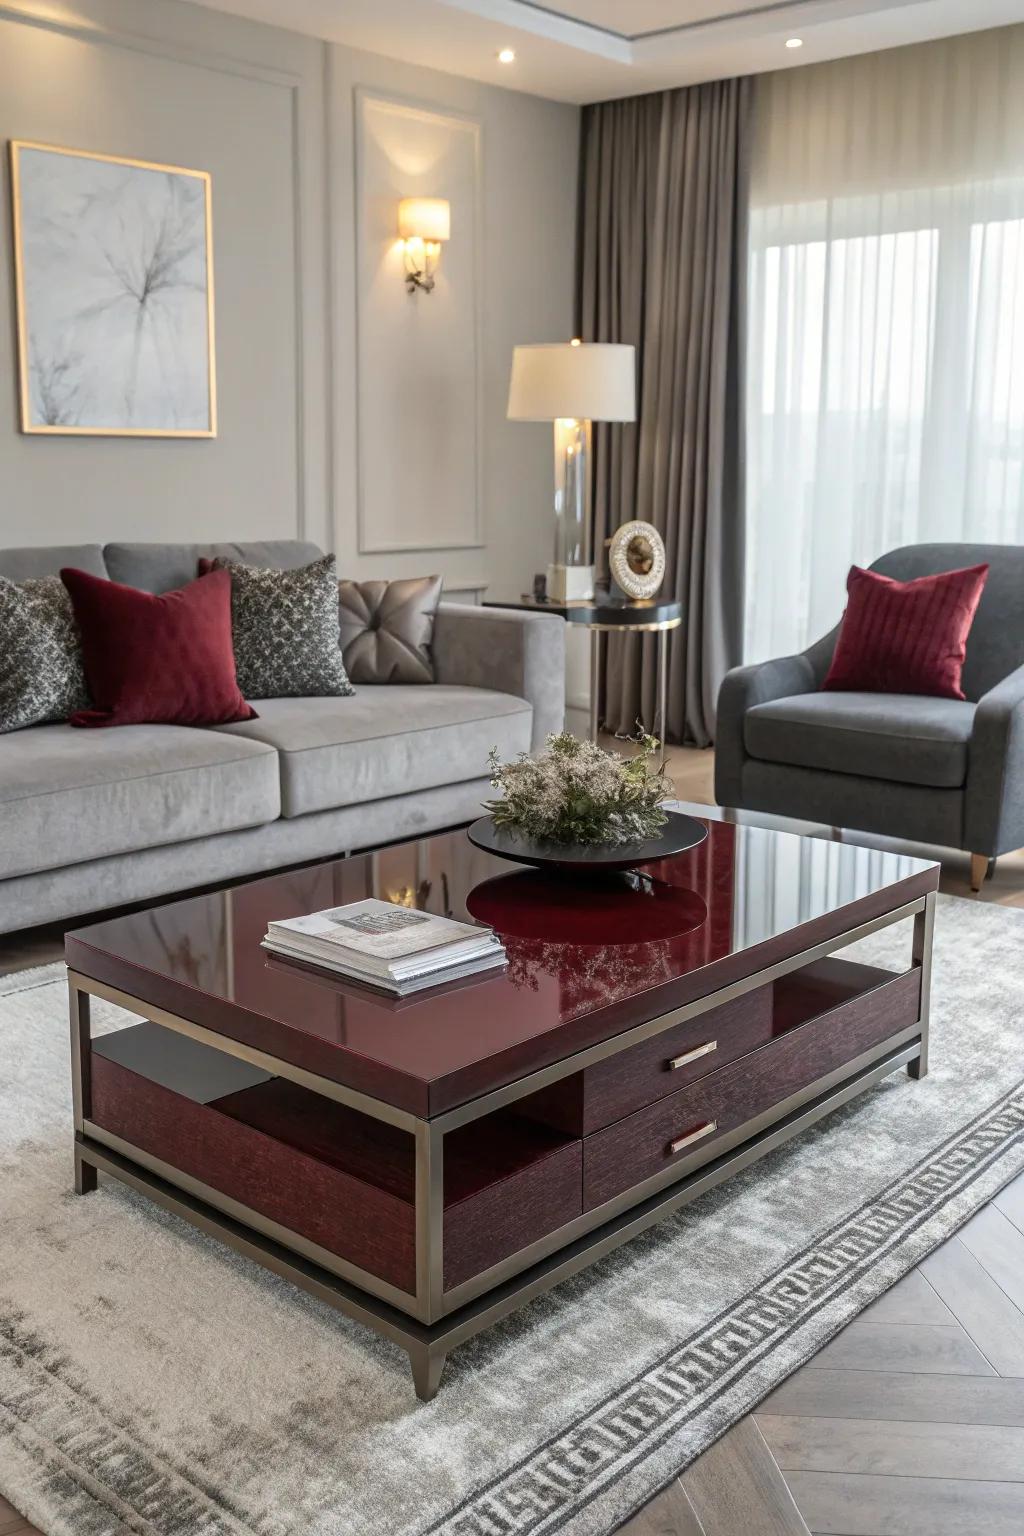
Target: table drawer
{"points": [[692, 1119], [622, 1083]]}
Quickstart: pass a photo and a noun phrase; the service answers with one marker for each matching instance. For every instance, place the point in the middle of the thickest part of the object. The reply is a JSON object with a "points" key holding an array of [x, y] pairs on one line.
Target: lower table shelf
{"points": [[339, 1178]]}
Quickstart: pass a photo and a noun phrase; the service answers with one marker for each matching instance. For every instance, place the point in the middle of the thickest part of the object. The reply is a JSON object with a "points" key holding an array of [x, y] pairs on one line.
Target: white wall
{"points": [[170, 83], [273, 116]]}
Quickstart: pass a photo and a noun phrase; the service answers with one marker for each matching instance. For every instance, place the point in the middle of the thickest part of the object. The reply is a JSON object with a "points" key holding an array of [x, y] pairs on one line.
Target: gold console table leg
{"points": [[595, 684]]}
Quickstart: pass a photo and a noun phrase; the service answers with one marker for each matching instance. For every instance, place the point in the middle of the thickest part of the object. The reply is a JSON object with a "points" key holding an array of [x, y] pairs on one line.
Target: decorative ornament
{"points": [[579, 809], [636, 558]]}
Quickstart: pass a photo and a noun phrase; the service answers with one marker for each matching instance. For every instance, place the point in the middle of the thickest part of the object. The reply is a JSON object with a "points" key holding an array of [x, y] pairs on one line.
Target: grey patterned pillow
{"points": [[387, 628], [284, 629], [42, 678]]}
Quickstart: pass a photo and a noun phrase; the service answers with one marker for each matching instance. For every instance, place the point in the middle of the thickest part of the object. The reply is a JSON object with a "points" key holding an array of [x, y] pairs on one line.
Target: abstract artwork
{"points": [[114, 278]]}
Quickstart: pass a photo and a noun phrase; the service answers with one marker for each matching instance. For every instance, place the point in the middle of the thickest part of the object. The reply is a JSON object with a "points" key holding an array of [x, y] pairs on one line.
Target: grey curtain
{"points": [[662, 263]]}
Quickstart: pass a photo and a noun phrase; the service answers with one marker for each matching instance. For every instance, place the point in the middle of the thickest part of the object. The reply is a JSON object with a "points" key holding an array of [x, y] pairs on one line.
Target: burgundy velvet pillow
{"points": [[906, 636], [163, 660]]}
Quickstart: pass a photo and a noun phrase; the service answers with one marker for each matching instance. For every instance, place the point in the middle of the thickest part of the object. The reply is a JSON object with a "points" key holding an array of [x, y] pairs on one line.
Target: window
{"points": [[886, 322]]}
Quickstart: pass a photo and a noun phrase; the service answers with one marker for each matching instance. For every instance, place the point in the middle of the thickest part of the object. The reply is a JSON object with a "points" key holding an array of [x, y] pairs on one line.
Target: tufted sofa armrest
{"points": [[994, 795], [511, 652]]}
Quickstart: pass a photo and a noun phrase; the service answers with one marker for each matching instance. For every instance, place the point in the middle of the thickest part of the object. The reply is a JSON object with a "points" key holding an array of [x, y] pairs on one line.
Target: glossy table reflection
{"points": [[586, 961]]}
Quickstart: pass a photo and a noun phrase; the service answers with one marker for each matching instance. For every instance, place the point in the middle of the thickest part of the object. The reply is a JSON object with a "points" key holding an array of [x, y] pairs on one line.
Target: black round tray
{"points": [[677, 835]]}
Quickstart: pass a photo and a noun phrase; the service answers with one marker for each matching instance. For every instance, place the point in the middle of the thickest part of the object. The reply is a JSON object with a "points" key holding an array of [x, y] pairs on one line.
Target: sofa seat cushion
{"points": [[902, 737], [386, 740], [67, 795]]}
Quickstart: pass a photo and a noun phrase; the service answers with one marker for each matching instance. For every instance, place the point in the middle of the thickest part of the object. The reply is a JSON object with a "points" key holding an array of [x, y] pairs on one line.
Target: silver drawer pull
{"points": [[688, 1056], [692, 1136]]}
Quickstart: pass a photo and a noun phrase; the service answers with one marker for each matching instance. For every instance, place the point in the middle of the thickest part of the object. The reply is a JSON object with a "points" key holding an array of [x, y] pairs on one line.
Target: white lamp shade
{"points": [[424, 218], [589, 381]]}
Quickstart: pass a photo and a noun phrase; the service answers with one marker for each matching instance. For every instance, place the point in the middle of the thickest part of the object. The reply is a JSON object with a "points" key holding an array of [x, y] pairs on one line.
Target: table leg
{"points": [[427, 1366], [429, 1220], [661, 716], [86, 1178], [595, 684], [924, 928]]}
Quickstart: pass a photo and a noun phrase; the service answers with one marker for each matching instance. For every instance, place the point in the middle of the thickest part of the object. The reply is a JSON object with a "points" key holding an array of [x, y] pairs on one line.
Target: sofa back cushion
{"points": [[48, 559], [165, 567], [995, 645]]}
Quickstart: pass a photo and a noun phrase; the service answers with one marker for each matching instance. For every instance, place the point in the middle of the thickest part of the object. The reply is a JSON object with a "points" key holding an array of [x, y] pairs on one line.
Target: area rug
{"points": [[153, 1382]]}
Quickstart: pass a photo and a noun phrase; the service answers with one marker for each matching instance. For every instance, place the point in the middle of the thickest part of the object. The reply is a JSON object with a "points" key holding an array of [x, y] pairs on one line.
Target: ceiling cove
{"points": [[660, 18], [593, 50]]}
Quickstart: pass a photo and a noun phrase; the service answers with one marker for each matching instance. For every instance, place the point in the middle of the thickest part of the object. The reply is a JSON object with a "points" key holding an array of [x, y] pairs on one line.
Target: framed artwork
{"points": [[113, 267]]}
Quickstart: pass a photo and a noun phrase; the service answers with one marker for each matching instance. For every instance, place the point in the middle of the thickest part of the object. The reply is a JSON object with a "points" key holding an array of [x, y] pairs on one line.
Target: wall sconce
{"points": [[423, 224]]}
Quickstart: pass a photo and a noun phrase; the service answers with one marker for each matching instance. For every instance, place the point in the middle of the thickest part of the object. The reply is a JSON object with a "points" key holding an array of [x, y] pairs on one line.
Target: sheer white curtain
{"points": [[886, 325]]}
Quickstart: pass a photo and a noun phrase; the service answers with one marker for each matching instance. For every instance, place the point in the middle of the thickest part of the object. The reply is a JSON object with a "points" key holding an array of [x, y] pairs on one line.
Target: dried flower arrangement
{"points": [[576, 793]]}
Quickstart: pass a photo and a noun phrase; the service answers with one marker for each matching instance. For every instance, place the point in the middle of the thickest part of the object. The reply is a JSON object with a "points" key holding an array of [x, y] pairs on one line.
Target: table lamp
{"points": [[572, 384]]}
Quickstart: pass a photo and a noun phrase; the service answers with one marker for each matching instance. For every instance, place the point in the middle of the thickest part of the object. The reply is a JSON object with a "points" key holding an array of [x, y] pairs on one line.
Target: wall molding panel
{"points": [[420, 403], [201, 43]]}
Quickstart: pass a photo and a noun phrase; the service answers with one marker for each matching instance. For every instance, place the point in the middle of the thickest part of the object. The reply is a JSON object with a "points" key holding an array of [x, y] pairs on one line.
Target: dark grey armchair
{"points": [[944, 771]]}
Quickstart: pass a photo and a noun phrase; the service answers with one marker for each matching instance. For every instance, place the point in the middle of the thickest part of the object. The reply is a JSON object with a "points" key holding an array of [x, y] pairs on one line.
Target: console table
{"points": [[428, 1164]]}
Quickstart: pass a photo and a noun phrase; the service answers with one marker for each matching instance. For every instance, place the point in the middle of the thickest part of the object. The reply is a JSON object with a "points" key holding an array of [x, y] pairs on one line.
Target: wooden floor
{"points": [[910, 1422]]}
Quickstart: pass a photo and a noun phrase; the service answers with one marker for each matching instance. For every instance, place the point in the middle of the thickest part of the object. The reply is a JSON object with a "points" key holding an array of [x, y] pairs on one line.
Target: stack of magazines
{"points": [[394, 948]]}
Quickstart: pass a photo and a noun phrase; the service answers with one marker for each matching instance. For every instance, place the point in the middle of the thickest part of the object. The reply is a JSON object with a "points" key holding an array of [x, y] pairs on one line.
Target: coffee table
{"points": [[428, 1164]]}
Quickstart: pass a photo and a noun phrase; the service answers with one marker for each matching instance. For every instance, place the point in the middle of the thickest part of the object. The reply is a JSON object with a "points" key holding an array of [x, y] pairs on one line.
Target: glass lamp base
{"points": [[570, 583]]}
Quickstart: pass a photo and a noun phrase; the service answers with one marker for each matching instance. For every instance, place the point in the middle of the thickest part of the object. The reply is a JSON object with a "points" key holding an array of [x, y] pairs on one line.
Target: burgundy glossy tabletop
{"points": [[584, 961]]}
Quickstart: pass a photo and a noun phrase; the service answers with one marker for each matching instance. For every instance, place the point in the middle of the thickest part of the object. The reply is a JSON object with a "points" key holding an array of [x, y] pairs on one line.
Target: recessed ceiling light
{"points": [[794, 42], [507, 56]]}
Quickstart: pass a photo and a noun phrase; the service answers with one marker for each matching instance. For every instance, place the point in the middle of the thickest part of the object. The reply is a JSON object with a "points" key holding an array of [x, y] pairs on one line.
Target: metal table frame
{"points": [[631, 618], [432, 1322], [662, 629]]}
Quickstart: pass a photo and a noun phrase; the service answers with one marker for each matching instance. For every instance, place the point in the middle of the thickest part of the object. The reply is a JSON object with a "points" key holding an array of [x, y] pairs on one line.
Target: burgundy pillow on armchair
{"points": [[906, 636], [163, 660]]}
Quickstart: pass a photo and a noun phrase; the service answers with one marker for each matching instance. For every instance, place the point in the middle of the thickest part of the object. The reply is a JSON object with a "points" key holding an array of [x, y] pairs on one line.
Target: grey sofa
{"points": [[931, 770], [91, 819]]}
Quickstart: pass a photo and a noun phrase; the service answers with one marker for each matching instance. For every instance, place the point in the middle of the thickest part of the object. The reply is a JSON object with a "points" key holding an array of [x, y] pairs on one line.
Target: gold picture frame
{"points": [[28, 416]]}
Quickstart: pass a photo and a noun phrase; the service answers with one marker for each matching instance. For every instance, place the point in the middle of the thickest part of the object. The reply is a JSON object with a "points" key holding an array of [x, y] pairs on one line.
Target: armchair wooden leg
{"points": [[982, 869]]}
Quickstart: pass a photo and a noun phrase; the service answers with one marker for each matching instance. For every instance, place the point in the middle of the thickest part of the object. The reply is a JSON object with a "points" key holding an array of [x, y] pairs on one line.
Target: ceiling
{"points": [[631, 19], [592, 50]]}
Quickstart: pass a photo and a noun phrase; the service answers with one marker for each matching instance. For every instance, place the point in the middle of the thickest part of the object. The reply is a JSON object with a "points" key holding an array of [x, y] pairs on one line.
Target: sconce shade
{"points": [[424, 218], [588, 381]]}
